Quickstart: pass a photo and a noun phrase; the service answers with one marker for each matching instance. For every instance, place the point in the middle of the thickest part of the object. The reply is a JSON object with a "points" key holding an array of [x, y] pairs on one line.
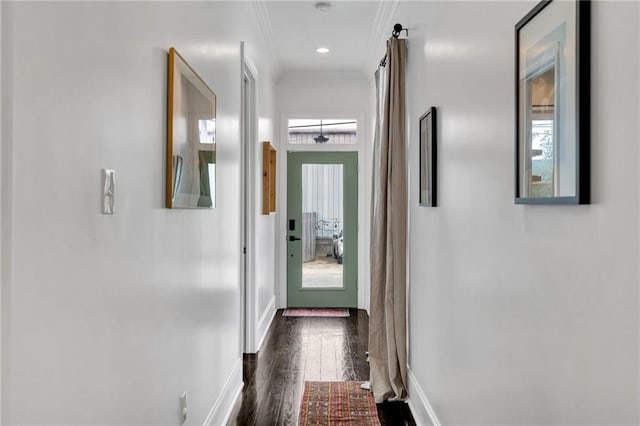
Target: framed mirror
{"points": [[191, 138], [553, 104], [428, 158]]}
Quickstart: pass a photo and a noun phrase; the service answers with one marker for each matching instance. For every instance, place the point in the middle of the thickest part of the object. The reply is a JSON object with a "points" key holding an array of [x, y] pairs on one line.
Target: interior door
{"points": [[322, 229]]}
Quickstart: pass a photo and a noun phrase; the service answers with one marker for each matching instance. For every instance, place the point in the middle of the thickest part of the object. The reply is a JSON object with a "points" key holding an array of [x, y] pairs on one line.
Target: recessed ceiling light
{"points": [[322, 50], [323, 6]]}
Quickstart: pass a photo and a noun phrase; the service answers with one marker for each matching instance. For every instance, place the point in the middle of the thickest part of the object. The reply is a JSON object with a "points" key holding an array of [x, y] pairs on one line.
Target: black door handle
{"points": [[292, 238]]}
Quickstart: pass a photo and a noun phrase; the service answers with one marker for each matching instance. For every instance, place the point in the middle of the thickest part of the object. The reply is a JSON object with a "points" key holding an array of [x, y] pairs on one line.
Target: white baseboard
{"points": [[222, 409], [421, 409], [265, 322]]}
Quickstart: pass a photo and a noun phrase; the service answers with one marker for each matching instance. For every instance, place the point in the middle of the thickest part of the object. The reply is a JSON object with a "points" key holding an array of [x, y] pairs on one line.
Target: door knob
{"points": [[293, 238]]}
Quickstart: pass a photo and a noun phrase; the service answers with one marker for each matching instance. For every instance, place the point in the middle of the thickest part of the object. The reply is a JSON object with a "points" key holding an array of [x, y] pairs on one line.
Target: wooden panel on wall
{"points": [[268, 178], [272, 181]]}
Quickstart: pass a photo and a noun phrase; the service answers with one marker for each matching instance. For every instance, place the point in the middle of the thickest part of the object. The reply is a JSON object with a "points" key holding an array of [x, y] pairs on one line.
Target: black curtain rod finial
{"points": [[397, 29]]}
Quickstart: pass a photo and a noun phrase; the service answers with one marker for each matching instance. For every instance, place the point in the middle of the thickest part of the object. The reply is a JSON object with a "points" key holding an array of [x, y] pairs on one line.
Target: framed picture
{"points": [[552, 77], [428, 156], [191, 138]]}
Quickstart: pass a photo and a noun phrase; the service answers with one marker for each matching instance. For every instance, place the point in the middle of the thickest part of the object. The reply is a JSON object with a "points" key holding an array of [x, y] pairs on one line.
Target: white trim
{"points": [[363, 209], [264, 323], [421, 409], [253, 71], [266, 29], [281, 219], [249, 305], [244, 234], [380, 32], [1, 206], [220, 413]]}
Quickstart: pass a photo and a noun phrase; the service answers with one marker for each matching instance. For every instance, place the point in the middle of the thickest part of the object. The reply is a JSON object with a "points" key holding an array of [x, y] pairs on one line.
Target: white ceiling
{"points": [[351, 29]]}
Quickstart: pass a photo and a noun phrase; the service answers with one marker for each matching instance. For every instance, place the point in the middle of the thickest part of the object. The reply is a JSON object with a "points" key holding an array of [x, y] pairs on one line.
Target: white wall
{"points": [[521, 314], [264, 238], [2, 180], [330, 95], [107, 319]]}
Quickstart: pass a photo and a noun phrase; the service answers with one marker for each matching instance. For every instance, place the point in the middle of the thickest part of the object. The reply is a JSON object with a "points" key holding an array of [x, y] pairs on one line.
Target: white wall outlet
{"points": [[183, 408], [108, 190]]}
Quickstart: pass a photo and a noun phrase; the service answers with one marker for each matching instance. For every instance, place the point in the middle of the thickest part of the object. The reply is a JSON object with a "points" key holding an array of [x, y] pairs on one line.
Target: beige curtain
{"points": [[387, 324]]}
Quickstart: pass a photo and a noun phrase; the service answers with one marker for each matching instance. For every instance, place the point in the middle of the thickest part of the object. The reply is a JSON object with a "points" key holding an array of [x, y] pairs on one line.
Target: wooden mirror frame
{"points": [[194, 159]]}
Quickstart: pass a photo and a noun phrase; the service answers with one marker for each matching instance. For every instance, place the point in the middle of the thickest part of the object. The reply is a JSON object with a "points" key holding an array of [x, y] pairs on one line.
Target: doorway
{"points": [[322, 233], [248, 317]]}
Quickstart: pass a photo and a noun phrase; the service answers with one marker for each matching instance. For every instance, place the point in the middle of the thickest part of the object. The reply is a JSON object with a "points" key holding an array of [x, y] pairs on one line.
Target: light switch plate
{"points": [[108, 190], [183, 408]]}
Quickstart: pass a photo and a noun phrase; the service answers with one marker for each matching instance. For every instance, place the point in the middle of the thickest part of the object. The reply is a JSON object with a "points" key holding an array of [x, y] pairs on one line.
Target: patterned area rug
{"points": [[337, 403], [315, 312]]}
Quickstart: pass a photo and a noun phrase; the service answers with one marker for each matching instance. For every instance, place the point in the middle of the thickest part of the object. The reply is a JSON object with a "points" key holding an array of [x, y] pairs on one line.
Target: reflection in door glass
{"points": [[322, 241], [323, 131]]}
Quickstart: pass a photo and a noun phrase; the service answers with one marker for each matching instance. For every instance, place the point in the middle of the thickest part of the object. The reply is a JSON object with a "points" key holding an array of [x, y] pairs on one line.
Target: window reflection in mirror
{"points": [[552, 129], [541, 147], [547, 150], [207, 130]]}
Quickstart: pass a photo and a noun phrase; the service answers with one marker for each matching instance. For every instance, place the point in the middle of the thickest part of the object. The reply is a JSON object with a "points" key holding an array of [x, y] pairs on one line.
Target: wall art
{"points": [[552, 77], [191, 137], [428, 158]]}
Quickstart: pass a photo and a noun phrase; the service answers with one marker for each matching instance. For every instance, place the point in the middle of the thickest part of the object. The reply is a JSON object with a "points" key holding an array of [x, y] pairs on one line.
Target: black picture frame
{"points": [[428, 129], [552, 166]]}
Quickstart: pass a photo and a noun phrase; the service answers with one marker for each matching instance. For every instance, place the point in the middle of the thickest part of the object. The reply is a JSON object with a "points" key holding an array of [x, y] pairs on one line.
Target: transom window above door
{"points": [[323, 131]]}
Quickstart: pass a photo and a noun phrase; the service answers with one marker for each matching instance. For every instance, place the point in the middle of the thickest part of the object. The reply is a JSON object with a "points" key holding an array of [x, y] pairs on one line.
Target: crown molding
{"points": [[266, 29], [380, 32]]}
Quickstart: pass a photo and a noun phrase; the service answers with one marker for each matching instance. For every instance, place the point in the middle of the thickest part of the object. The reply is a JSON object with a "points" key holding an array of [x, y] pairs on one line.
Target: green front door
{"points": [[322, 229]]}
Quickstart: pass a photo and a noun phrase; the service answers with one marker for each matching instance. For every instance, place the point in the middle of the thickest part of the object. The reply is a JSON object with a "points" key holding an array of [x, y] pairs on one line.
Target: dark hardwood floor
{"points": [[300, 349]]}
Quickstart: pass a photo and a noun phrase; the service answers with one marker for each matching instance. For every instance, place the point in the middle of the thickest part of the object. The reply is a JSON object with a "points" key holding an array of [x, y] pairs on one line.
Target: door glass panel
{"points": [[322, 219]]}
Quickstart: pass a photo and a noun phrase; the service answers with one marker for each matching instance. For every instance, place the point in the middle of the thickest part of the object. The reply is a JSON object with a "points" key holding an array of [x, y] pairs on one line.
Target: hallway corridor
{"points": [[300, 349]]}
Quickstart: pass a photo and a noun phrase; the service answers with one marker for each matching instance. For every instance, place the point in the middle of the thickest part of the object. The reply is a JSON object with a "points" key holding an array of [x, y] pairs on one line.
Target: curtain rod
{"points": [[397, 29]]}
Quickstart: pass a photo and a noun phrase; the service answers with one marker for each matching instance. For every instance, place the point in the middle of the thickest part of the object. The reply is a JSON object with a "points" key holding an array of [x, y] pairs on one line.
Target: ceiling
{"points": [[351, 29]]}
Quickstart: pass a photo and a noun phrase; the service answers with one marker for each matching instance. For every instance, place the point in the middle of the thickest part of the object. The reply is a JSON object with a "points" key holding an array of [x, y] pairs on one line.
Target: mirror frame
{"points": [[582, 102], [428, 161], [178, 67]]}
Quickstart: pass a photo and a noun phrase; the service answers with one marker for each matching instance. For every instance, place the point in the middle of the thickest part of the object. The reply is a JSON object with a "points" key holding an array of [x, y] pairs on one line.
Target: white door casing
{"points": [[249, 130]]}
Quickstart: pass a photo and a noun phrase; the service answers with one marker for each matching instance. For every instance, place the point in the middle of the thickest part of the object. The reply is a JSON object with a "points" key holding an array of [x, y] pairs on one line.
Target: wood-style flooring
{"points": [[299, 349]]}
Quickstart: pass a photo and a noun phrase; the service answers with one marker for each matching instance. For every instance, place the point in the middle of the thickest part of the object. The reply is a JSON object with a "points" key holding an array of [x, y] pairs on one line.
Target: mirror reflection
{"points": [[191, 138], [547, 140], [541, 159]]}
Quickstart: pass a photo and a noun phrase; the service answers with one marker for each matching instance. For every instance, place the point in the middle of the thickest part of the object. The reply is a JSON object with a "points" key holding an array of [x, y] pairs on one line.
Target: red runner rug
{"points": [[336, 404], [315, 312]]}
